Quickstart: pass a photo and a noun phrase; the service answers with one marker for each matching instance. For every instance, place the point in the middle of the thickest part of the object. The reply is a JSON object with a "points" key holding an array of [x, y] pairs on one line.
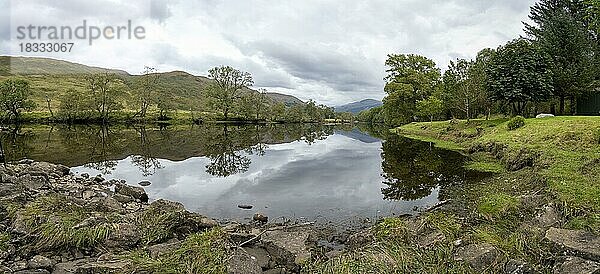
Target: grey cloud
{"points": [[340, 72], [160, 10]]}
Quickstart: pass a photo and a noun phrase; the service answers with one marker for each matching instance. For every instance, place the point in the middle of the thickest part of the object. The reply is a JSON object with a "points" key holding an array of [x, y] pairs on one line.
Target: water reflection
{"points": [[293, 170]]}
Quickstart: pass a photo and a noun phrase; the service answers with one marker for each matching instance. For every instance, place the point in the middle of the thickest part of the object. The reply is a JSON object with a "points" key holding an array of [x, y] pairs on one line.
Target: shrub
{"points": [[516, 122]]}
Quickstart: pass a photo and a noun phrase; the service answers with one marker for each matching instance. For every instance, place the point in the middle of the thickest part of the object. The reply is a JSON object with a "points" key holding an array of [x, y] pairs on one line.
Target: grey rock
{"points": [[33, 271], [288, 247], [132, 191], [576, 265], [98, 179], [85, 266], [242, 263], [260, 217], [88, 194], [34, 182], [245, 206], [40, 262], [360, 239], [125, 235], [480, 256], [158, 250], [260, 255], [123, 199], [547, 218], [518, 267], [575, 242], [431, 239]]}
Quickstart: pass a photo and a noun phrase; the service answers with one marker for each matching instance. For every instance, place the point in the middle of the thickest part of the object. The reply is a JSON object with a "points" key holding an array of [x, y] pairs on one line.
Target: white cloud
{"points": [[330, 51]]}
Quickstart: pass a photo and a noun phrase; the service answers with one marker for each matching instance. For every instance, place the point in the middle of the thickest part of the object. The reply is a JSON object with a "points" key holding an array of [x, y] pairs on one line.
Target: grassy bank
{"points": [[564, 151], [544, 174]]}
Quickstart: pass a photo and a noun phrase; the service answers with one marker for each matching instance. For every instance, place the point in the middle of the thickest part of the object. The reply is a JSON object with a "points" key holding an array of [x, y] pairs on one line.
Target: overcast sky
{"points": [[332, 51]]}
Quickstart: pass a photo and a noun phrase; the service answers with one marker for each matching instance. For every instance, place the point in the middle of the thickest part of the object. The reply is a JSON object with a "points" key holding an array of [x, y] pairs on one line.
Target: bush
{"points": [[516, 122]]}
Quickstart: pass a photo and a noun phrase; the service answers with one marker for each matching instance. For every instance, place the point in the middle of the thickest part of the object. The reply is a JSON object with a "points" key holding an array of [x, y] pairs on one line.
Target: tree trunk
{"points": [[561, 110], [572, 106]]}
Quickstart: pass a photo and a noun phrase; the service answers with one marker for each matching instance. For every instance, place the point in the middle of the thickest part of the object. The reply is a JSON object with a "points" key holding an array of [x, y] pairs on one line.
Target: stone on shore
{"points": [[575, 242], [133, 191], [576, 265], [480, 257]]}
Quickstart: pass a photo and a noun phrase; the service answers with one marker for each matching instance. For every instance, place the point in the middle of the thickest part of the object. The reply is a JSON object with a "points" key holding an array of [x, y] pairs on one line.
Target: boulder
{"points": [[85, 266], [544, 115], [288, 247], [45, 169], [123, 199], [360, 239], [124, 235], [259, 217], [547, 218], [32, 271], [575, 265], [242, 263], [34, 182], [133, 191], [40, 262], [260, 255], [158, 250], [480, 257], [575, 242], [245, 206]]}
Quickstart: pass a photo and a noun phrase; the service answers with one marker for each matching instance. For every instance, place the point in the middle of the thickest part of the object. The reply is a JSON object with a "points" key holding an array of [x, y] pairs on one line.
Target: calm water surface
{"points": [[299, 172]]}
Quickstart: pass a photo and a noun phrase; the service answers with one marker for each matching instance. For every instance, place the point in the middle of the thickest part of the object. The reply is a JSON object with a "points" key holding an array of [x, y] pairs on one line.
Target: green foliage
{"points": [[410, 78], [515, 122], [520, 72], [226, 89], [561, 29], [104, 91], [73, 105], [496, 204], [14, 97], [464, 83], [390, 227], [429, 107], [200, 253]]}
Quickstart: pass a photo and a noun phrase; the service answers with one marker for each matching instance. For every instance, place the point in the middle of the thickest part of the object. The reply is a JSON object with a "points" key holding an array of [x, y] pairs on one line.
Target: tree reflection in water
{"points": [[227, 147], [412, 169]]}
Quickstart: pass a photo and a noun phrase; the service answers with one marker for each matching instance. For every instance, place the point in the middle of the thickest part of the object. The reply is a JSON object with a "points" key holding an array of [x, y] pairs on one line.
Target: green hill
{"points": [[49, 78]]}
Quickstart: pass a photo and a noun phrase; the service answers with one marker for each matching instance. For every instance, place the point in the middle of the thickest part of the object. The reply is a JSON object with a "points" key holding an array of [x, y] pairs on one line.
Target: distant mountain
{"points": [[288, 100], [357, 107], [51, 77]]}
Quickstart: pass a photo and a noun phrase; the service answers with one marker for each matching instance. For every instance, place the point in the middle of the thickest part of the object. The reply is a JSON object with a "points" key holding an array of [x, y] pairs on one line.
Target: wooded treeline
{"points": [[556, 64]]}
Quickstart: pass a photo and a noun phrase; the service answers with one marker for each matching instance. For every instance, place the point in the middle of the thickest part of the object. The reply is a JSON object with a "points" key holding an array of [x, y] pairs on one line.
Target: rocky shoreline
{"points": [[53, 221], [56, 222]]}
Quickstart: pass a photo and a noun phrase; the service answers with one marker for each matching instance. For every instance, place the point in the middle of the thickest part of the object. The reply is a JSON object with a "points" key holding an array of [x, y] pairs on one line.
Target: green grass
{"points": [[199, 253], [497, 204], [397, 251], [53, 218], [4, 240], [563, 150]]}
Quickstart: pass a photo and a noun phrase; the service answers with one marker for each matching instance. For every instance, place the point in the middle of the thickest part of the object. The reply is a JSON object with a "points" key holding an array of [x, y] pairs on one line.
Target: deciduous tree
{"points": [[226, 87]]}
